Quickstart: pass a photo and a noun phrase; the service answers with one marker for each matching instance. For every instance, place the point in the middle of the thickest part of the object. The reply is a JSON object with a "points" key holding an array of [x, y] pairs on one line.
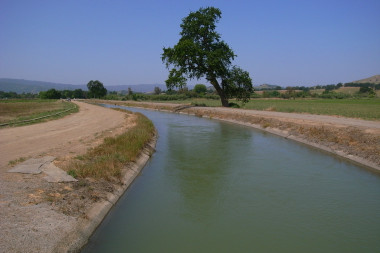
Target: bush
{"points": [[271, 94], [233, 105]]}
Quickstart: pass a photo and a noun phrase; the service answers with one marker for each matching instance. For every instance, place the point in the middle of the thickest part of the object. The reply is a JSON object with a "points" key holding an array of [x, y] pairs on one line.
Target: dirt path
{"points": [[31, 219], [58, 137]]}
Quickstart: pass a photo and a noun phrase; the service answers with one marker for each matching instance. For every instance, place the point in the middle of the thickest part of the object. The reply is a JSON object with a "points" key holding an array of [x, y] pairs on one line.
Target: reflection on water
{"points": [[217, 187]]}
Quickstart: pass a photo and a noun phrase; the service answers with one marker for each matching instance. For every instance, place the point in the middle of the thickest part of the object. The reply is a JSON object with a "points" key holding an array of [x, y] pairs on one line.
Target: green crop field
{"points": [[17, 110]]}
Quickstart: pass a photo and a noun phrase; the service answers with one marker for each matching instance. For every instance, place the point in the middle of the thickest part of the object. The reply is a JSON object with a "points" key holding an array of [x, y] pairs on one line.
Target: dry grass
{"points": [[107, 160], [349, 90]]}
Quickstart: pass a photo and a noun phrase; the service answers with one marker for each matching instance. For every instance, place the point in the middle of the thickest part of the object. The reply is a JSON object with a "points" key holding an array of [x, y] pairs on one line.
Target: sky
{"points": [[286, 43]]}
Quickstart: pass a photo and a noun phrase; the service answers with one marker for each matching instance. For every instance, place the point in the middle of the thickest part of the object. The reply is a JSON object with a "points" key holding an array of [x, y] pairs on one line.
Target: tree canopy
{"points": [[50, 94], [200, 52], [96, 89], [200, 88]]}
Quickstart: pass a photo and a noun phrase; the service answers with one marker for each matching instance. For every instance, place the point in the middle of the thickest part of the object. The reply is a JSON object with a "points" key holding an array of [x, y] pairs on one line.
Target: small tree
{"points": [[96, 89], [201, 53], [200, 88], [130, 92], [157, 90]]}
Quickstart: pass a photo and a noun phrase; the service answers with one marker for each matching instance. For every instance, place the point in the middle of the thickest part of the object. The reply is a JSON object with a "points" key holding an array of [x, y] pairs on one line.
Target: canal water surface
{"points": [[218, 187]]}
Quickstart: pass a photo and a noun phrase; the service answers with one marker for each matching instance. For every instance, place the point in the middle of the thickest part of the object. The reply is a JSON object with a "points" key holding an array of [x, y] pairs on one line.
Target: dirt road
{"points": [[58, 137], [29, 220]]}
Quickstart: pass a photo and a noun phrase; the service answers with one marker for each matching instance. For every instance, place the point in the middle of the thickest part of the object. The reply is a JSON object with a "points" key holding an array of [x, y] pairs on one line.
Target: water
{"points": [[217, 187]]}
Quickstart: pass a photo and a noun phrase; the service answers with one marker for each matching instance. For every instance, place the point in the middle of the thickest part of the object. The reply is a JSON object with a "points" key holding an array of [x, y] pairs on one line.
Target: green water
{"points": [[217, 187]]}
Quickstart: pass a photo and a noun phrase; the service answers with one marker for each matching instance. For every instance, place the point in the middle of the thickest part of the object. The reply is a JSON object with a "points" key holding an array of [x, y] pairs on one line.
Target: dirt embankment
{"points": [[354, 139], [38, 216]]}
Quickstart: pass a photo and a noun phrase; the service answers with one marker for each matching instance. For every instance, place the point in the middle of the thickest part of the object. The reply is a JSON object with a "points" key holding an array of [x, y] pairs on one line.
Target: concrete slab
{"points": [[45, 165], [55, 174], [32, 166]]}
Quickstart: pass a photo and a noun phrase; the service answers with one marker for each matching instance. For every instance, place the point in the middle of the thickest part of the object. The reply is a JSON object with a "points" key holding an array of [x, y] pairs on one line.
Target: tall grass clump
{"points": [[107, 160]]}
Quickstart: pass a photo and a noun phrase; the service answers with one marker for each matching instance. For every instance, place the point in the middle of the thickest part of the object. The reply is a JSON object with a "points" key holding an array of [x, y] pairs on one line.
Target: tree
{"points": [[201, 53], [200, 88], [50, 94], [78, 93], [157, 90], [130, 92], [96, 89]]}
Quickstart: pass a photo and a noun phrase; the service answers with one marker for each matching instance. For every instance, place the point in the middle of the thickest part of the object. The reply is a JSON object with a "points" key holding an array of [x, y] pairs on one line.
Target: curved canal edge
{"points": [[265, 124], [78, 237], [355, 159]]}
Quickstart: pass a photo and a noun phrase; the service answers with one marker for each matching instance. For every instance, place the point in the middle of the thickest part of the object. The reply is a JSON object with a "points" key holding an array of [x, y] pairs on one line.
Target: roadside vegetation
{"points": [[107, 160], [17, 112]]}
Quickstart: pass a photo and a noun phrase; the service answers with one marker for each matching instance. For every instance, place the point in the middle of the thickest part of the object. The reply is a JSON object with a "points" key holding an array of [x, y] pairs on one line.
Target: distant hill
{"points": [[373, 79], [27, 86], [265, 86]]}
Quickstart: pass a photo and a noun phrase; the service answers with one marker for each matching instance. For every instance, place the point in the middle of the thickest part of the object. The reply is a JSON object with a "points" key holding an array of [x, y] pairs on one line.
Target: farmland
{"points": [[12, 111]]}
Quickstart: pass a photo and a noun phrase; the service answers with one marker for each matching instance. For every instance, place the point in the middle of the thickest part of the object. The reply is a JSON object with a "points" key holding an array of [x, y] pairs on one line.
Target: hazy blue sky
{"points": [[120, 42]]}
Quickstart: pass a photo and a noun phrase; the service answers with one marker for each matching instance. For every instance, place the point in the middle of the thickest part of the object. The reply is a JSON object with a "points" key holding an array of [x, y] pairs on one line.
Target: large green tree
{"points": [[96, 89], [200, 53]]}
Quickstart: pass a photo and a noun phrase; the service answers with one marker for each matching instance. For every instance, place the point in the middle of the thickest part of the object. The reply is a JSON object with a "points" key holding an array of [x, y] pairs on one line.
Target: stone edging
{"points": [[78, 237]]}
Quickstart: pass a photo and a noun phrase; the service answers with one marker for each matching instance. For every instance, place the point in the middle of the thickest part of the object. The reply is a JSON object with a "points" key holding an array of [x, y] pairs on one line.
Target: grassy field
{"points": [[17, 110], [107, 160], [353, 108]]}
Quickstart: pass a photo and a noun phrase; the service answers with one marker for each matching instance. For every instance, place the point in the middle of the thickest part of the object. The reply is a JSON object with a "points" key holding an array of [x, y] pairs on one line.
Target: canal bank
{"points": [[353, 139], [83, 229], [41, 216]]}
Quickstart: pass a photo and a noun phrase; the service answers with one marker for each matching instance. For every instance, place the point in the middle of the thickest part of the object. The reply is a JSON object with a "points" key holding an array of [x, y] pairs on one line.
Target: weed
{"points": [[17, 161], [72, 173], [79, 157], [107, 160]]}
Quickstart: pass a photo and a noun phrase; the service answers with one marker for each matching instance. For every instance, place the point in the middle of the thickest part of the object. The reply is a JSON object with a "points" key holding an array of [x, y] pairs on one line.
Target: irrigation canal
{"points": [[218, 187]]}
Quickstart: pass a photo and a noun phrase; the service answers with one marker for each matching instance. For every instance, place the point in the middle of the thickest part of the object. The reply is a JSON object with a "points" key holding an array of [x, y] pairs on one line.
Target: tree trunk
{"points": [[221, 93], [224, 100]]}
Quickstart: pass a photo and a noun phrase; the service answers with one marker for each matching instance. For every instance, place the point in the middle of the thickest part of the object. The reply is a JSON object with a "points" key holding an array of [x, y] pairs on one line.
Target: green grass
{"points": [[17, 161], [14, 111], [353, 108], [107, 160]]}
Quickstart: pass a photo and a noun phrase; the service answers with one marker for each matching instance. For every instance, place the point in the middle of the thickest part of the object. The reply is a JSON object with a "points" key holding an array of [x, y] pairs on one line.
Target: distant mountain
{"points": [[373, 79], [28, 86]]}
